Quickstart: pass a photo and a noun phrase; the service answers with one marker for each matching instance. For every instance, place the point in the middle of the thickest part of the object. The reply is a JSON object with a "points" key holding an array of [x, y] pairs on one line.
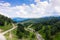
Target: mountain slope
{"points": [[4, 19], [5, 23], [42, 20]]}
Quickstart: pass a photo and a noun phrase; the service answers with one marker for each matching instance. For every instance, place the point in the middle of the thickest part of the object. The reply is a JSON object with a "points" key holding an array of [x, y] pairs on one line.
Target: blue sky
{"points": [[30, 8], [20, 2]]}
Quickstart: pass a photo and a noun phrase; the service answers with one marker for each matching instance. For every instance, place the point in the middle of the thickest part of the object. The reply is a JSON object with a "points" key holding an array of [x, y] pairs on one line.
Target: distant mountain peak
{"points": [[18, 19]]}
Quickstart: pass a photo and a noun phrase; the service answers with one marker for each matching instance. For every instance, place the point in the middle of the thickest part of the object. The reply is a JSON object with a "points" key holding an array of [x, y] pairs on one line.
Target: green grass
{"points": [[6, 27], [41, 32], [15, 37], [57, 36]]}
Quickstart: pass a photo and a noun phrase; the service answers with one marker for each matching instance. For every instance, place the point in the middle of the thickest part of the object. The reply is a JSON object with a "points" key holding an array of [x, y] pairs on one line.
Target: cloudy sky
{"points": [[30, 8]]}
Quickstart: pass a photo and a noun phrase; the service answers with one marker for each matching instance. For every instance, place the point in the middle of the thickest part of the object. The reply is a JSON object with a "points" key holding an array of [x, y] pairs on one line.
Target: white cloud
{"points": [[57, 5], [4, 4], [37, 1], [4, 14], [57, 8], [40, 9]]}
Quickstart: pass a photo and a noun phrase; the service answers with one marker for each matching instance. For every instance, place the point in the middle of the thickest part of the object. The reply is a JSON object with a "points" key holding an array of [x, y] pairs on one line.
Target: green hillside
{"points": [[48, 27], [41, 20], [5, 23]]}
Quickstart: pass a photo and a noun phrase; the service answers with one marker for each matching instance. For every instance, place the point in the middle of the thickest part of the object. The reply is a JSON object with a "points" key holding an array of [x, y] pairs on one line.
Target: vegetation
{"points": [[5, 23], [48, 27], [22, 33], [16, 34], [4, 19], [13, 35]]}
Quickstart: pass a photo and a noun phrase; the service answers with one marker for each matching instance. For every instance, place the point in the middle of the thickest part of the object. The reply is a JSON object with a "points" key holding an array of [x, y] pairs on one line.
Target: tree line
{"points": [[4, 19]]}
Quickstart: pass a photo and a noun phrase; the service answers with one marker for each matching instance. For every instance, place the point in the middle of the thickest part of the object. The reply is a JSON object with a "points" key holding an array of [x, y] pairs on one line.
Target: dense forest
{"points": [[48, 27], [5, 23], [4, 19]]}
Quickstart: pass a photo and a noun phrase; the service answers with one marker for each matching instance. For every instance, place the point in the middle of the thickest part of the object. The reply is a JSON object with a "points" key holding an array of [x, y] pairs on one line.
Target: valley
{"points": [[47, 28]]}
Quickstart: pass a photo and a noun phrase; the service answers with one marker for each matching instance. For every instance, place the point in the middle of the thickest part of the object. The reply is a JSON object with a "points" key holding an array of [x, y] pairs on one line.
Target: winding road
{"points": [[38, 36], [2, 37]]}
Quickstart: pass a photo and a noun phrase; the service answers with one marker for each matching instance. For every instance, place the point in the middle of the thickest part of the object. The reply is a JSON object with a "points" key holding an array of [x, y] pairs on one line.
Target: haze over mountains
{"points": [[35, 20], [17, 19], [46, 26]]}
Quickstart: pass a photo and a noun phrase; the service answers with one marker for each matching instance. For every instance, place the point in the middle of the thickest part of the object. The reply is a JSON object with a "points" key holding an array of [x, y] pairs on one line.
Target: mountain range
{"points": [[18, 19], [36, 20]]}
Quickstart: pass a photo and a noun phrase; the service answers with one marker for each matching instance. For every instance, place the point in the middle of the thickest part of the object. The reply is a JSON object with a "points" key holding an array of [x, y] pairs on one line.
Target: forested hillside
{"points": [[4, 19], [5, 23], [41, 20], [48, 27]]}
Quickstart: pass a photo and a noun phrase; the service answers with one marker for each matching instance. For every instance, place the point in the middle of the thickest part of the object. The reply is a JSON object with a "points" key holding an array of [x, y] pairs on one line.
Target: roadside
{"points": [[2, 37], [38, 36]]}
